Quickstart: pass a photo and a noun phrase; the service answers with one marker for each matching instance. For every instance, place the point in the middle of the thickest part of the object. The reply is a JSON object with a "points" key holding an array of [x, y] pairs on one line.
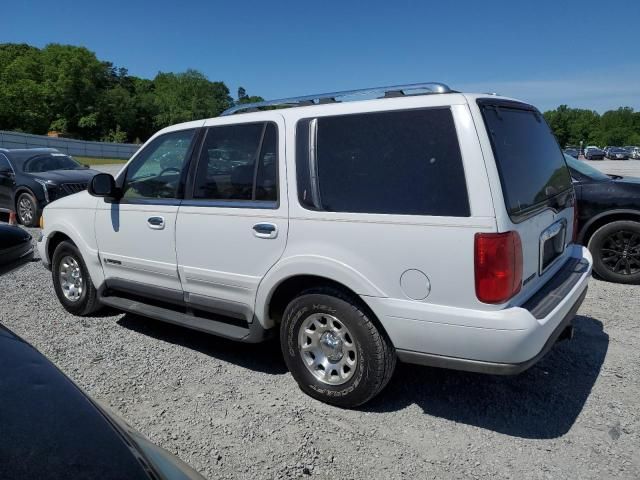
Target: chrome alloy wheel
{"points": [[327, 349], [25, 210], [70, 277]]}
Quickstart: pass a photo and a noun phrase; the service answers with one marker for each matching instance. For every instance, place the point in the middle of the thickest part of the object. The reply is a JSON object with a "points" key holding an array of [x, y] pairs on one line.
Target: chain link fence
{"points": [[69, 146]]}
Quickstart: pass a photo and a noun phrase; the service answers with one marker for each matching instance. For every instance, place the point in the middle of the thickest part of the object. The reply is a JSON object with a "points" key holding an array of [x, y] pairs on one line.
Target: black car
{"points": [[608, 221], [574, 152], [617, 153], [32, 178], [15, 247], [594, 154], [51, 429]]}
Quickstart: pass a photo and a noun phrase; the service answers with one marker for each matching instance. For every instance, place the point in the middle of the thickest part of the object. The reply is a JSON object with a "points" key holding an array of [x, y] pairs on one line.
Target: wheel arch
{"points": [[296, 274], [19, 191], [602, 219], [58, 231], [53, 241]]}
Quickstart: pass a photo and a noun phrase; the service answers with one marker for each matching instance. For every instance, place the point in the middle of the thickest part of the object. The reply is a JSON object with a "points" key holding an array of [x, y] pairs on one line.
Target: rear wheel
{"points": [[334, 350], [616, 251], [27, 210], [71, 281]]}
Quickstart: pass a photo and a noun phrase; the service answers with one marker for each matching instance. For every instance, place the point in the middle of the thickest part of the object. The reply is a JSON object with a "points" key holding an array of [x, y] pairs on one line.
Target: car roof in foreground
{"points": [[50, 429]]}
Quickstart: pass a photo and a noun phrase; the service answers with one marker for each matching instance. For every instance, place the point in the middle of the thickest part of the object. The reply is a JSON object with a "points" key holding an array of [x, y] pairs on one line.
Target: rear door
{"points": [[534, 194], [233, 223]]}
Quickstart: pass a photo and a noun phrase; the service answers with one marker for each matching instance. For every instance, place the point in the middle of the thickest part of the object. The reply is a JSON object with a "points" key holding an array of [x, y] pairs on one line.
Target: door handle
{"points": [[265, 230], [155, 223]]}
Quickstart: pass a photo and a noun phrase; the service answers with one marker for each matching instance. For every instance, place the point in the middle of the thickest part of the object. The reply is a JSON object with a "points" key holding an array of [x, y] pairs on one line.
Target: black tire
{"points": [[87, 303], [616, 251], [27, 203], [376, 357]]}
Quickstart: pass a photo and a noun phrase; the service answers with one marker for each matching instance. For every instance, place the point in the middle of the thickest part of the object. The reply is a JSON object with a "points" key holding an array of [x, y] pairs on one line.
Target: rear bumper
{"points": [[506, 341]]}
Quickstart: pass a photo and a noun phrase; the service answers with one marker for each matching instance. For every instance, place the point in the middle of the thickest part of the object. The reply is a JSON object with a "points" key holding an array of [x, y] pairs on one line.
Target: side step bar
{"points": [[253, 333]]}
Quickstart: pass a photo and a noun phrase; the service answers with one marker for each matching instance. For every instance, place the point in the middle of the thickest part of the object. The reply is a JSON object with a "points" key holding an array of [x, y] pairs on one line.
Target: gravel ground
{"points": [[232, 411]]}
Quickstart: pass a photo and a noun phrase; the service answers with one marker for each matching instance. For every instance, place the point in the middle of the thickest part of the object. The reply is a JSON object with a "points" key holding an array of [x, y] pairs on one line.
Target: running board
{"points": [[253, 333]]}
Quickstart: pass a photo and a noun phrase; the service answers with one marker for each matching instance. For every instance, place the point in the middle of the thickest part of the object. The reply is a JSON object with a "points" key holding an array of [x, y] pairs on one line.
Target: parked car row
{"points": [[592, 152]]}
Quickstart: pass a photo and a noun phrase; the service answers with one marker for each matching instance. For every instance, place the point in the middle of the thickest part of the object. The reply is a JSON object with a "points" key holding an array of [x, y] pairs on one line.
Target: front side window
{"points": [[156, 170], [50, 162], [5, 166], [238, 162], [405, 162]]}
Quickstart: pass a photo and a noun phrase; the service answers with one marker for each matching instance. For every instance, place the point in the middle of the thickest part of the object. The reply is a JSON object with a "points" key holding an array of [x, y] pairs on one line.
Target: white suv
{"points": [[424, 225]]}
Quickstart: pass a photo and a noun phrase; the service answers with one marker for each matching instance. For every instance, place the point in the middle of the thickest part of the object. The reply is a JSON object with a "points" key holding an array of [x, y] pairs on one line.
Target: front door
{"points": [[136, 235], [7, 180], [232, 226]]}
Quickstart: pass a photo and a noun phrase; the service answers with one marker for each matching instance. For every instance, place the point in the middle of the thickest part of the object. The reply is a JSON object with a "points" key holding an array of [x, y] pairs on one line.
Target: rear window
{"points": [[405, 162], [531, 165]]}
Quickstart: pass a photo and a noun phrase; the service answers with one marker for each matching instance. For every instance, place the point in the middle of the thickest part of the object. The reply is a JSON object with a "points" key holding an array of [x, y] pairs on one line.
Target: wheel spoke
{"points": [[327, 348]]}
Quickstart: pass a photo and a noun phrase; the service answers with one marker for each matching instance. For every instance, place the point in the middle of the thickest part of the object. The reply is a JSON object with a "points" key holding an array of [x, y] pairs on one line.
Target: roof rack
{"points": [[323, 98]]}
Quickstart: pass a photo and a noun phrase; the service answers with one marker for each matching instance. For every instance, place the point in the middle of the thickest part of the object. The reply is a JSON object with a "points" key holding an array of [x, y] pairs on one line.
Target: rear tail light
{"points": [[498, 266]]}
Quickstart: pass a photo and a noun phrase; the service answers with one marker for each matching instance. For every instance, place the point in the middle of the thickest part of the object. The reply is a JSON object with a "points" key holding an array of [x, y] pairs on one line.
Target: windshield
{"points": [[585, 169], [531, 165], [46, 163]]}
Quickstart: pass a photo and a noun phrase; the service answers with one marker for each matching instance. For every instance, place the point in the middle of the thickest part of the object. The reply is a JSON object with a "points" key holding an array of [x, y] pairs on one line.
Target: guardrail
{"points": [[69, 146]]}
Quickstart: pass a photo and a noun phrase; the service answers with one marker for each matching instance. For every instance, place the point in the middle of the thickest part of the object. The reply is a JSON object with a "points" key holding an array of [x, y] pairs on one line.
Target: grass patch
{"points": [[99, 161]]}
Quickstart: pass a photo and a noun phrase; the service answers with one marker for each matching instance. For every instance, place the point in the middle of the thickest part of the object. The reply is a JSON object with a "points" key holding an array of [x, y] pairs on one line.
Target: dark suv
{"points": [[32, 178]]}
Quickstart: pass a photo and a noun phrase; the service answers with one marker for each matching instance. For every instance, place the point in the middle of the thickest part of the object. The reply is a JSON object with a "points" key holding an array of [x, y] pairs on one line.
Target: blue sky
{"points": [[582, 53]]}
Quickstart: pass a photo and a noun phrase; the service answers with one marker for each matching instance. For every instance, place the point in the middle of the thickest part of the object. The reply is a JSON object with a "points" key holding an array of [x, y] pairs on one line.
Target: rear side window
{"points": [[405, 162], [531, 165], [238, 162]]}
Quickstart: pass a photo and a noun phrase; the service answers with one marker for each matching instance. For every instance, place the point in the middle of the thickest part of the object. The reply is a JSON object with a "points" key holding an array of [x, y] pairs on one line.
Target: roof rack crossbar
{"points": [[322, 98]]}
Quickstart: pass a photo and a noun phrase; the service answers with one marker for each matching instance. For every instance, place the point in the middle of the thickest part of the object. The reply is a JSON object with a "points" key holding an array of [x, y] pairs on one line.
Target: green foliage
{"points": [[116, 136], [614, 127], [67, 89]]}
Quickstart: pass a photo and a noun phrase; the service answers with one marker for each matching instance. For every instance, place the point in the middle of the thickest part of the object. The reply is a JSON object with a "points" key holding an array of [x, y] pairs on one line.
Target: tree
{"points": [[244, 98], [180, 97]]}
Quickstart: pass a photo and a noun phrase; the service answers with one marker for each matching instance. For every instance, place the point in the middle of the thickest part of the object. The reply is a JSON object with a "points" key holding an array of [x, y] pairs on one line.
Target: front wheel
{"points": [[334, 350], [71, 281], [27, 210], [616, 251]]}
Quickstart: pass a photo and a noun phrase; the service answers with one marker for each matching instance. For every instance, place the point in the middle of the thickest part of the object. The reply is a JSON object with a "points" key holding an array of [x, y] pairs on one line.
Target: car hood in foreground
{"points": [[51, 429], [66, 176], [11, 236]]}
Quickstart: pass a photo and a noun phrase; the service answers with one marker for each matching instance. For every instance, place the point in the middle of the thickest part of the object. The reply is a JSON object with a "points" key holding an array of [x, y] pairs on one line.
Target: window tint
{"points": [[155, 172], [238, 162], [54, 161], [404, 162], [531, 165], [5, 166]]}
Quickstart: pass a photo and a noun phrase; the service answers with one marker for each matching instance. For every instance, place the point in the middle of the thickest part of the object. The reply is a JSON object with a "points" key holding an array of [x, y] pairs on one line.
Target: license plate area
{"points": [[552, 244]]}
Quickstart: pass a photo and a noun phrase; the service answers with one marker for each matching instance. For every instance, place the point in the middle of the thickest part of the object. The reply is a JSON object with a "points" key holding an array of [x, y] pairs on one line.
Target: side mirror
{"points": [[6, 173], [103, 185]]}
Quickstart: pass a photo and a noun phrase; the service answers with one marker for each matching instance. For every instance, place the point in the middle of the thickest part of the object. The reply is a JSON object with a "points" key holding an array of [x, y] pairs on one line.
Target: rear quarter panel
{"points": [[369, 252]]}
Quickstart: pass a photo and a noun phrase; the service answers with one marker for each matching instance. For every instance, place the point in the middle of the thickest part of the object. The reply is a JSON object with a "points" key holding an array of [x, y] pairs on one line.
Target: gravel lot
{"points": [[626, 168], [232, 411]]}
